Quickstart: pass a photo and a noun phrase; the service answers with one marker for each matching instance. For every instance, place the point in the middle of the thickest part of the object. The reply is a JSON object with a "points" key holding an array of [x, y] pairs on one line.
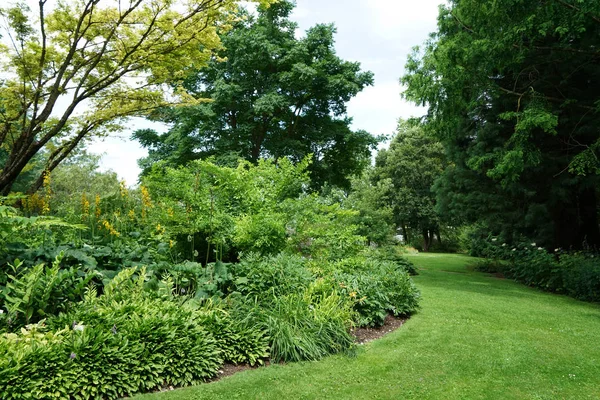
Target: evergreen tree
{"points": [[512, 89]]}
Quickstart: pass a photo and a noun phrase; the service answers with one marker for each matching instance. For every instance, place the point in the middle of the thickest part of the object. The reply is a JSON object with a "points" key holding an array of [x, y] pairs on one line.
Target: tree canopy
{"points": [[512, 89], [272, 96], [411, 165], [80, 67]]}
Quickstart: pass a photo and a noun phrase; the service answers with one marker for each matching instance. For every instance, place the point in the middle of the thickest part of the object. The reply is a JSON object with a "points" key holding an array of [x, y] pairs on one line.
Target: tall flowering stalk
{"points": [[146, 202]]}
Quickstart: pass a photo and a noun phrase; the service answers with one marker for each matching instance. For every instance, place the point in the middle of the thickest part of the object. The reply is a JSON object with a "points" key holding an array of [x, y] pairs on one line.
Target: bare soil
{"points": [[366, 335]]}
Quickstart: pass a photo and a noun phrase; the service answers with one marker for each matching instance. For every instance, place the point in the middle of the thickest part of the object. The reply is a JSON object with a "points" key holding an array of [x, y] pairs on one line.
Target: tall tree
{"points": [[412, 163], [82, 66], [272, 95], [512, 89]]}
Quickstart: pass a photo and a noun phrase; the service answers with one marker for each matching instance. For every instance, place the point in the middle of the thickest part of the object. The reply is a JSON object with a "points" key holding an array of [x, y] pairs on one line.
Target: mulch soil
{"points": [[362, 335], [366, 335]]}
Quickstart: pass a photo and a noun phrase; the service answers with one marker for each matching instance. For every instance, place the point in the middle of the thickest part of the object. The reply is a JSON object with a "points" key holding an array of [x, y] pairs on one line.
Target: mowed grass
{"points": [[476, 337]]}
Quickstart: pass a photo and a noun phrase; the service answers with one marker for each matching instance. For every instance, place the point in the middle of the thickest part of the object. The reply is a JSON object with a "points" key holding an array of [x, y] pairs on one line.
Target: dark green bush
{"points": [[238, 342], [575, 274], [581, 275]]}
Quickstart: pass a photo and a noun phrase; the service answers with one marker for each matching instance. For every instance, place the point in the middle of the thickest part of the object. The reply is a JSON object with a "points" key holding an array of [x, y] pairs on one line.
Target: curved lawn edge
{"points": [[475, 336]]}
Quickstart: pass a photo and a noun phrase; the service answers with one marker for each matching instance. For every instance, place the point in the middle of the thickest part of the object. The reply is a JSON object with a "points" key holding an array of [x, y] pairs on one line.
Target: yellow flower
{"points": [[171, 244], [123, 189], [111, 229], [97, 206], [352, 294], [131, 214], [85, 205]]}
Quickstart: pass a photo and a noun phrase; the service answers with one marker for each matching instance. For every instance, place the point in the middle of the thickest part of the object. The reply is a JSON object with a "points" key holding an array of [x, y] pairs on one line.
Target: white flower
{"points": [[540, 248], [78, 327], [533, 244], [514, 249], [494, 239], [503, 244], [556, 250], [1, 311]]}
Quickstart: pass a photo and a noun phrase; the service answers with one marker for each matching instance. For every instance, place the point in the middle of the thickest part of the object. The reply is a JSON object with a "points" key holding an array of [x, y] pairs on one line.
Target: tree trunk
{"points": [[426, 241], [405, 233]]}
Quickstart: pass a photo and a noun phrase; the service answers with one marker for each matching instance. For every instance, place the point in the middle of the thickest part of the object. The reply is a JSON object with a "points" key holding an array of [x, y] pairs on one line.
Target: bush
{"points": [[117, 344], [238, 342], [581, 275], [40, 292], [575, 274], [305, 327], [377, 288], [392, 254], [261, 277]]}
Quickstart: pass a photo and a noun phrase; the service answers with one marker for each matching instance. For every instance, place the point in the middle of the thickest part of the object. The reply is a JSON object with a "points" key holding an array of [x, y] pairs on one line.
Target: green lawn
{"points": [[476, 337]]}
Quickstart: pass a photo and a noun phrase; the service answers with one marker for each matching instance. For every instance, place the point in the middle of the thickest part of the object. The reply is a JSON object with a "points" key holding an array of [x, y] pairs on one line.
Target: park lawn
{"points": [[475, 337]]}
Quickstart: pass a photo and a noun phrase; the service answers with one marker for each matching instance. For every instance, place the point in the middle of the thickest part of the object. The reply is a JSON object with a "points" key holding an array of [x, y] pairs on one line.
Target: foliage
{"points": [[322, 228], [303, 326], [238, 342], [273, 95], [407, 171], [375, 218], [391, 254], [512, 94], [271, 277], [34, 294], [574, 273], [376, 288], [115, 60]]}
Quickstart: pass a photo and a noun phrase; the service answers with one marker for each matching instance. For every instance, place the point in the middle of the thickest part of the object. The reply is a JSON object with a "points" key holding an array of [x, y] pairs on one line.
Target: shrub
{"points": [[377, 288], [581, 275], [575, 274], [238, 342], [40, 292], [392, 254], [117, 344], [257, 276], [305, 326]]}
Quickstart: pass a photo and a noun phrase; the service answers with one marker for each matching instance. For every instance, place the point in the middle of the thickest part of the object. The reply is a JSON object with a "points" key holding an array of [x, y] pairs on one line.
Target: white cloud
{"points": [[377, 33], [378, 108], [120, 153]]}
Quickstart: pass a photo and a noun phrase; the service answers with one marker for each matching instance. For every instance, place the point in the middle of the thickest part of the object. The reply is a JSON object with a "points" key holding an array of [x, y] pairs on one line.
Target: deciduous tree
{"points": [[81, 67], [272, 95]]}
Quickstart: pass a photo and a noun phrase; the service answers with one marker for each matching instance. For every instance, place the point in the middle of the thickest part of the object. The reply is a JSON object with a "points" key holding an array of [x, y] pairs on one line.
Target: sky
{"points": [[377, 33]]}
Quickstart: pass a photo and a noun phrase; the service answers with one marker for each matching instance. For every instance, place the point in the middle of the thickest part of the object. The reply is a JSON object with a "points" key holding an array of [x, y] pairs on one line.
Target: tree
{"points": [[412, 163], [107, 62], [512, 90], [272, 95]]}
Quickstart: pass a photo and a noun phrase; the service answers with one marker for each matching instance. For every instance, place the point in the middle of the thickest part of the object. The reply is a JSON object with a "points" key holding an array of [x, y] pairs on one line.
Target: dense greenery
{"points": [[411, 165], [75, 69], [260, 232], [203, 265], [272, 95], [477, 337], [574, 273], [512, 94]]}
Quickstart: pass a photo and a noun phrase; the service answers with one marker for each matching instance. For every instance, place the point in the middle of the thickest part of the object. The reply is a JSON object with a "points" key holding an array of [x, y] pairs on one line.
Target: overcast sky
{"points": [[377, 33]]}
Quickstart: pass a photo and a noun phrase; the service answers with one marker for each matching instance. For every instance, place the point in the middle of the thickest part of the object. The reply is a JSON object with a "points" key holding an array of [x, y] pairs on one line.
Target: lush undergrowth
{"points": [[575, 273], [476, 337], [206, 265]]}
